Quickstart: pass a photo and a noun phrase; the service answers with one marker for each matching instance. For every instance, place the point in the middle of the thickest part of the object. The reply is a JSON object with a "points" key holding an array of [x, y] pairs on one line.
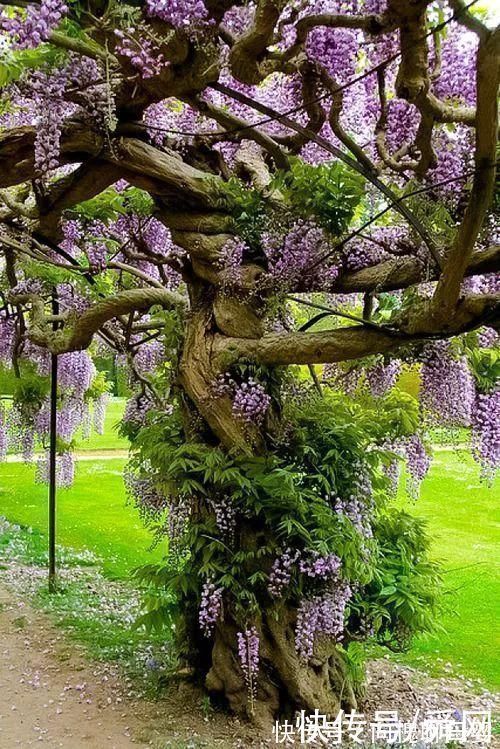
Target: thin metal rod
{"points": [[52, 464]]}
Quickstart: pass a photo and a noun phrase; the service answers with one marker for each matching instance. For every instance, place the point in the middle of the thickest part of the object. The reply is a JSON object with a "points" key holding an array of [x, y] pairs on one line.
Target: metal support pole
{"points": [[52, 463]]}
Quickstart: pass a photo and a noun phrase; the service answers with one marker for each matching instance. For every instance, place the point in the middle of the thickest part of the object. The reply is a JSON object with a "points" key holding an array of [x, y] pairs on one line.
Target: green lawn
{"points": [[93, 514], [110, 440], [463, 516]]}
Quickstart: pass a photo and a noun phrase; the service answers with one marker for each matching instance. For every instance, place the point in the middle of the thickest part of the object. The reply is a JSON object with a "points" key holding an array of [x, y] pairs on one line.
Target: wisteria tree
{"points": [[219, 191]]}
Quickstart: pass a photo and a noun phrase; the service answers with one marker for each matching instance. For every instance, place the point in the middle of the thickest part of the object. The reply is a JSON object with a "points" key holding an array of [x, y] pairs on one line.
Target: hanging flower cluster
{"points": [[26, 422], [250, 400], [447, 390], [382, 377], [35, 26], [486, 433], [225, 516], [322, 614], [248, 651], [178, 13], [210, 607], [141, 52]]}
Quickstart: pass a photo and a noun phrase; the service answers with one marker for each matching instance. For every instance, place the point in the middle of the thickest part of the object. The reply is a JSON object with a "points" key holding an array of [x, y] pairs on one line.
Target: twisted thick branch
{"points": [[77, 331], [353, 342]]}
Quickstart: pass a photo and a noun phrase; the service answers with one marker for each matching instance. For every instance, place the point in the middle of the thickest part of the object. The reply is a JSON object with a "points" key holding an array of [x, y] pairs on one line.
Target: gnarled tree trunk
{"points": [[285, 682]]}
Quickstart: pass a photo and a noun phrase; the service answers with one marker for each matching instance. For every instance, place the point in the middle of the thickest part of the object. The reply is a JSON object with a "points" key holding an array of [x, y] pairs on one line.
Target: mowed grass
{"points": [[463, 518], [110, 440], [93, 514]]}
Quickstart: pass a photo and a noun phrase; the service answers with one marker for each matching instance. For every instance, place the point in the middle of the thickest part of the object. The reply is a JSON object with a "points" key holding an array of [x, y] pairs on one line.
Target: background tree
{"points": [[204, 187]]}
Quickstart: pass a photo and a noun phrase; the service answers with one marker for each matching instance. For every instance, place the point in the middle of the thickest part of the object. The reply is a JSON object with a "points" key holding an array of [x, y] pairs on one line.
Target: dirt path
{"points": [[49, 695], [79, 455], [52, 696]]}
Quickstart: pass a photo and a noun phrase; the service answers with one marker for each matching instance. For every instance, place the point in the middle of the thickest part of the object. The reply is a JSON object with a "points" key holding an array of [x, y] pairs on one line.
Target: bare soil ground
{"points": [[50, 695]]}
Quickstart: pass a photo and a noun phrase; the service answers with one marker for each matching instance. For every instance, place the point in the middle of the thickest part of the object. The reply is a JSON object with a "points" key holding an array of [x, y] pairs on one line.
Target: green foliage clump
{"points": [[485, 367], [285, 499], [30, 390], [111, 203], [249, 211], [329, 193], [403, 598]]}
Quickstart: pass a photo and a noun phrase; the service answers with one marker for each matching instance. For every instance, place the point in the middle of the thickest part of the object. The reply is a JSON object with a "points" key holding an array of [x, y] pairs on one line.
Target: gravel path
{"points": [[113, 454], [80, 455], [49, 695]]}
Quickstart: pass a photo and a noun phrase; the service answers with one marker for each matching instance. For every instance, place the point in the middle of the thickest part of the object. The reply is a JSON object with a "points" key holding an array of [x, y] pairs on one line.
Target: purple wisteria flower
{"points": [[251, 402], [210, 607], [322, 614], [281, 572], [447, 391], [382, 377], [248, 651], [36, 25], [486, 433]]}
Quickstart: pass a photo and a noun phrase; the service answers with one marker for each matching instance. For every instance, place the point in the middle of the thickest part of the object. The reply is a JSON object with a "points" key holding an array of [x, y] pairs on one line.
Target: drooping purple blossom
{"points": [[225, 516], [447, 389], [3, 432], [382, 377], [100, 404], [75, 372], [141, 52], [458, 49], [179, 512], [49, 107], [322, 614], [393, 469], [35, 26], [230, 262], [179, 13], [136, 410], [7, 332], [248, 651], [487, 338], [418, 463], [210, 607], [358, 505], [295, 256], [65, 470], [346, 380], [149, 356], [281, 572], [316, 566], [96, 249], [486, 433]]}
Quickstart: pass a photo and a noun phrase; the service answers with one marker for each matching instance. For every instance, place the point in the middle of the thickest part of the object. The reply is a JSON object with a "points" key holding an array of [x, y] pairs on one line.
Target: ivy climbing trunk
{"points": [[285, 682]]}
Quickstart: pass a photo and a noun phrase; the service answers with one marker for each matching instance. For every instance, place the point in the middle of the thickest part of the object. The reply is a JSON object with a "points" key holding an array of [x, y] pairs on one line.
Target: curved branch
{"points": [[249, 51], [398, 273], [180, 182], [79, 330], [354, 342], [467, 19]]}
